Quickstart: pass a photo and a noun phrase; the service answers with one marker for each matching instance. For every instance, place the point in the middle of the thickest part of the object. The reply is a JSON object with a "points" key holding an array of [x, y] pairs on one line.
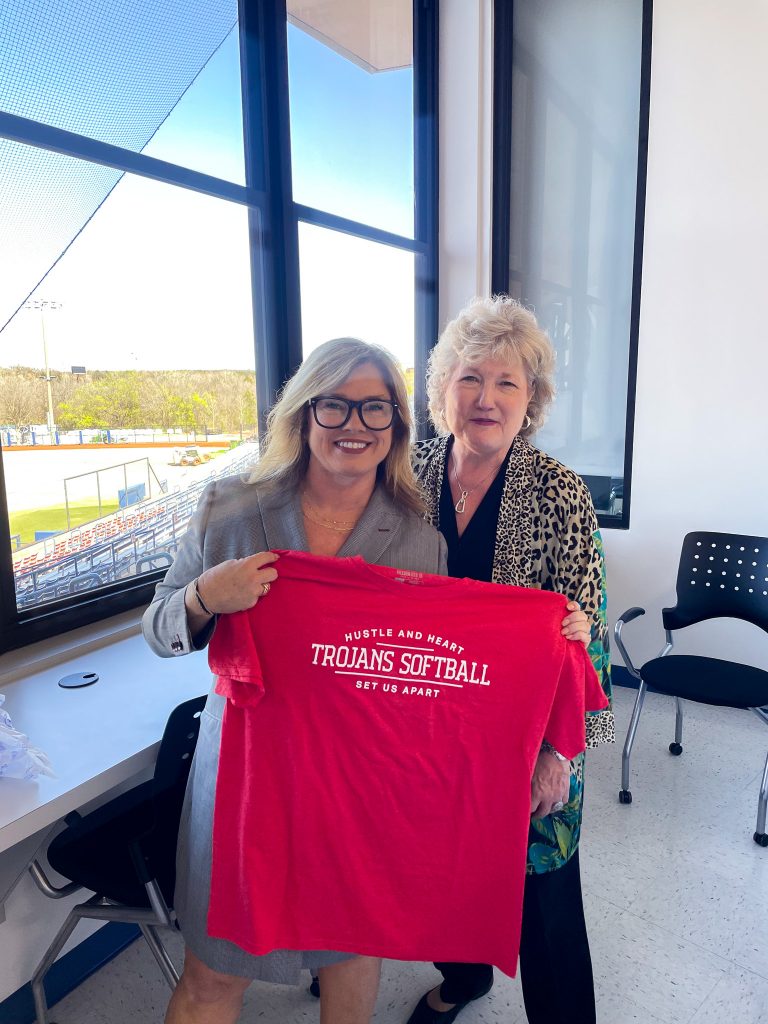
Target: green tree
{"points": [[88, 408], [22, 397], [181, 412]]}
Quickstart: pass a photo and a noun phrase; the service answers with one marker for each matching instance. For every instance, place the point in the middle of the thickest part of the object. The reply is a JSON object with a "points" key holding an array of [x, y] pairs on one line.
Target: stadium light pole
{"points": [[42, 304]]}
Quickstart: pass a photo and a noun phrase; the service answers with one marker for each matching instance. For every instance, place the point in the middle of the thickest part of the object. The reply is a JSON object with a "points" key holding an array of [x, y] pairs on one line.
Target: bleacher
{"points": [[126, 543]]}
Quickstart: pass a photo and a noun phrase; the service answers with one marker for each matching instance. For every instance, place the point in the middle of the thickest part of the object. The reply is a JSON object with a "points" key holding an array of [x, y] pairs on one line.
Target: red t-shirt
{"points": [[377, 748]]}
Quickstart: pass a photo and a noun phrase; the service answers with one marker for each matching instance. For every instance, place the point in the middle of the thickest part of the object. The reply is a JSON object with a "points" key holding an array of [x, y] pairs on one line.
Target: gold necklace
{"points": [[461, 504], [337, 525]]}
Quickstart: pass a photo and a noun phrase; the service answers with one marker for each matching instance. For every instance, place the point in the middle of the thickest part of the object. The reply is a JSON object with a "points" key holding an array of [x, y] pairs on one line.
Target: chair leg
{"points": [[760, 836], [160, 954], [625, 797], [98, 909], [38, 978], [676, 748]]}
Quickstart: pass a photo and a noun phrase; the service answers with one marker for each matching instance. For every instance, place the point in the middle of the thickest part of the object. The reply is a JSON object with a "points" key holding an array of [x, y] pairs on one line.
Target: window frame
{"points": [[501, 206], [275, 286]]}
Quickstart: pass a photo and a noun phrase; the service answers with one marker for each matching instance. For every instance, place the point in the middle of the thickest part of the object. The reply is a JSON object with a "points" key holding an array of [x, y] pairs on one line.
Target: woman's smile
{"points": [[352, 446]]}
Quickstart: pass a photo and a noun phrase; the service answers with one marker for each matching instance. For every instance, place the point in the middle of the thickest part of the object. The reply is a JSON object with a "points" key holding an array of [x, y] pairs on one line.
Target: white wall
{"points": [[701, 423], [701, 434], [465, 152]]}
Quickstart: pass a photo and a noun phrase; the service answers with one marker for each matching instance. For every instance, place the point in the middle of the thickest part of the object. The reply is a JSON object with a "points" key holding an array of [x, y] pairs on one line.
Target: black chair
{"points": [[721, 575], [125, 852], [600, 489]]}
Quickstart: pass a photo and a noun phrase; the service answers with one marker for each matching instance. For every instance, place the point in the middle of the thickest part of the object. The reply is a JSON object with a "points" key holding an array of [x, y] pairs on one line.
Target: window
{"points": [[571, 102], [163, 270], [351, 286], [366, 239], [352, 112]]}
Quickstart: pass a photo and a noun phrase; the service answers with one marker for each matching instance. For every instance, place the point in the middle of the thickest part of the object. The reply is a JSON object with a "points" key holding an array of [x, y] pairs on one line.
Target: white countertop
{"points": [[97, 736]]}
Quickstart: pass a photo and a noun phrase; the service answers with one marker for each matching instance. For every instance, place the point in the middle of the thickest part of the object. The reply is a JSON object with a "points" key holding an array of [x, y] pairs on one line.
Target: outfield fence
{"points": [[11, 437]]}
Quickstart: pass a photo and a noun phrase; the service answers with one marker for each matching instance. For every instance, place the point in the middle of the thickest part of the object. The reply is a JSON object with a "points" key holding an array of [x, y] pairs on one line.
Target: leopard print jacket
{"points": [[548, 538]]}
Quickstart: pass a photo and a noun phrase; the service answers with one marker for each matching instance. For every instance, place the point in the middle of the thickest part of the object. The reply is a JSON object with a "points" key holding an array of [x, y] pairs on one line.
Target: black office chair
{"points": [[125, 851], [600, 489], [720, 575]]}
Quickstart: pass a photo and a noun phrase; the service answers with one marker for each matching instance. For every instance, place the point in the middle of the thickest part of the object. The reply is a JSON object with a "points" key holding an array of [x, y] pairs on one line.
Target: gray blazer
{"points": [[235, 519]]}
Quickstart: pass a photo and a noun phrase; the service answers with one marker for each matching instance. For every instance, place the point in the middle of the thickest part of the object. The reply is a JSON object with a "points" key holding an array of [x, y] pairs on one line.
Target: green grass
{"points": [[55, 518]]}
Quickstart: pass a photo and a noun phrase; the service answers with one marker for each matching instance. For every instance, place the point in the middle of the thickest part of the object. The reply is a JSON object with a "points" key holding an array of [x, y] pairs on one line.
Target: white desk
{"points": [[96, 737]]}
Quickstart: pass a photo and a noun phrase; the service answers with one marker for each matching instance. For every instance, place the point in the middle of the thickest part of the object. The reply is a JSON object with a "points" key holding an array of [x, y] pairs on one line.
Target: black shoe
{"points": [[314, 988], [424, 1014]]}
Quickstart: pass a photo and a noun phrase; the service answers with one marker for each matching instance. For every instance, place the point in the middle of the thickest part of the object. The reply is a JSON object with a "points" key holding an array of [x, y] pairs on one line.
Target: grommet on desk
{"points": [[77, 679]]}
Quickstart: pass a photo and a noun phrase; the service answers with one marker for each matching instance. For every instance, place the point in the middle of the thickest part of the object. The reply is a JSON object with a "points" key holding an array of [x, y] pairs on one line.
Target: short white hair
{"points": [[493, 328]]}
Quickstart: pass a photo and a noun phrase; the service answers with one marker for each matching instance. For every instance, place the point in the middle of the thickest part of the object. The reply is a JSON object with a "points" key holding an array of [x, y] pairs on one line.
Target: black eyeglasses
{"points": [[374, 413]]}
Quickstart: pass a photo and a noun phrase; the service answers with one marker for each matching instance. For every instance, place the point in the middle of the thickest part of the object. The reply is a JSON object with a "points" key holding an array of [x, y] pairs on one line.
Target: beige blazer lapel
{"points": [[282, 520], [376, 529]]}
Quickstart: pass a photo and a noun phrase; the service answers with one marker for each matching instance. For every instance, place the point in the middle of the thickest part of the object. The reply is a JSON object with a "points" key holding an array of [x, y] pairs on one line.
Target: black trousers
{"points": [[555, 965]]}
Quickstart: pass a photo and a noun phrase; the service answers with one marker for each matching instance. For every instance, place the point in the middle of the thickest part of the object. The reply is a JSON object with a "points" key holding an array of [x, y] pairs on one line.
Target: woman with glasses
{"points": [[334, 478]]}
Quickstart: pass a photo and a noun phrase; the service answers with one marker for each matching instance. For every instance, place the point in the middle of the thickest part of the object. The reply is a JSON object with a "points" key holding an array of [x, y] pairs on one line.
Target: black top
{"points": [[472, 554]]}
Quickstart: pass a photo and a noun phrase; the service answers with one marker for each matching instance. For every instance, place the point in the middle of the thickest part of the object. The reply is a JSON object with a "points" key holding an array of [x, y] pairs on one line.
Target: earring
{"points": [[527, 422]]}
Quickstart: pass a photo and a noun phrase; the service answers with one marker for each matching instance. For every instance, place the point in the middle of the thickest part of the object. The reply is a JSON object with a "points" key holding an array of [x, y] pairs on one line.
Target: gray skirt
{"points": [[193, 875]]}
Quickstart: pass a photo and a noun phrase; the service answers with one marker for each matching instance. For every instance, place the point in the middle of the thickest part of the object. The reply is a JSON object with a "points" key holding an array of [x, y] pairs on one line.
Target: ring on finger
{"points": [[265, 587]]}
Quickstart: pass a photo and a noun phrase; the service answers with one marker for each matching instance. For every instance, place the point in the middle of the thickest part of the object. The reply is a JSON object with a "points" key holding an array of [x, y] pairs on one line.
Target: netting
{"points": [[112, 70]]}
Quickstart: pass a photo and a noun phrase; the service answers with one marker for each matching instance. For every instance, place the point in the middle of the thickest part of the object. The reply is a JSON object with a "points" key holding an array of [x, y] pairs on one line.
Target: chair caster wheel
{"points": [[314, 988], [676, 749], [761, 838], [625, 797]]}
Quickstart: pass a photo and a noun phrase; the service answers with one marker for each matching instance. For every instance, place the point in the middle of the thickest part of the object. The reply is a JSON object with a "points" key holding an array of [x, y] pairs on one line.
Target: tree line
{"points": [[224, 401]]}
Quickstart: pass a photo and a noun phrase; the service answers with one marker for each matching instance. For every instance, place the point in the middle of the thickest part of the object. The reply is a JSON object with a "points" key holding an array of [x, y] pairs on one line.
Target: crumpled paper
{"points": [[18, 758]]}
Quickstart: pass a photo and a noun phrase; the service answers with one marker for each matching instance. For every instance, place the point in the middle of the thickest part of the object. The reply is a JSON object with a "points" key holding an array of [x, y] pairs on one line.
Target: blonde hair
{"points": [[493, 328], [285, 452]]}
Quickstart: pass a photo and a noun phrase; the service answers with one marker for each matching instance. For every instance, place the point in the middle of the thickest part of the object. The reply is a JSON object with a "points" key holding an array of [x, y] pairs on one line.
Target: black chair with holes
{"points": [[721, 575], [125, 852], [600, 489]]}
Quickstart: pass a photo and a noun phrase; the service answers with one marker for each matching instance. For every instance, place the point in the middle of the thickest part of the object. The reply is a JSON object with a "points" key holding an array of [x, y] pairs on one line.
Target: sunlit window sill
{"points": [[98, 736], [48, 653]]}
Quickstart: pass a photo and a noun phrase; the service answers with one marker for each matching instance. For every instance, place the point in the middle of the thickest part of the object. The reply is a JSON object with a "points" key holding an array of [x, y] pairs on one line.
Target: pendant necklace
{"points": [[461, 504]]}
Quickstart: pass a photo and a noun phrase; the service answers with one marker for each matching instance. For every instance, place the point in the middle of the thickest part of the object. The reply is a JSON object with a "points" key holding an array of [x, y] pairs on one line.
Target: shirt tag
{"points": [[409, 576]]}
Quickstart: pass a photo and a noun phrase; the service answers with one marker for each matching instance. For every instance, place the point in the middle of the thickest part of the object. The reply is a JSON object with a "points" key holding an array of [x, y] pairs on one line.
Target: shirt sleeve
{"points": [[233, 658], [164, 623], [578, 692]]}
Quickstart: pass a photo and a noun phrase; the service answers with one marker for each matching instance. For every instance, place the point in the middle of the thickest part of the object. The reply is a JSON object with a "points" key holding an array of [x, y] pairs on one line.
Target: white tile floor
{"points": [[676, 895]]}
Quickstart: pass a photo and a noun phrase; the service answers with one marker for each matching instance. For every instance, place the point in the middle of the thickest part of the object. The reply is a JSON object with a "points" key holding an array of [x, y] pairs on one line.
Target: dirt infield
{"points": [[34, 476]]}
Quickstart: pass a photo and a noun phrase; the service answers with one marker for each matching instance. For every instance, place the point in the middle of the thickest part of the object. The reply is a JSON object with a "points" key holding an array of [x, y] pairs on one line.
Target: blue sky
{"points": [[160, 276]]}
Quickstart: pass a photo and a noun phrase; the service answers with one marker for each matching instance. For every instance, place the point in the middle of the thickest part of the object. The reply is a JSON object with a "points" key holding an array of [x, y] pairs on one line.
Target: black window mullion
{"points": [[81, 147], [501, 160], [323, 219], [637, 275], [426, 179], [274, 234], [7, 585]]}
